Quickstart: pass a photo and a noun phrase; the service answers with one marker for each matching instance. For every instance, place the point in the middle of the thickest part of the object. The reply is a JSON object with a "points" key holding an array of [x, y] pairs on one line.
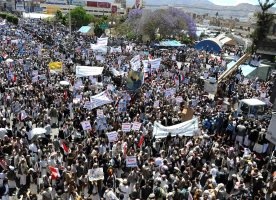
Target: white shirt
{"points": [[109, 195]]}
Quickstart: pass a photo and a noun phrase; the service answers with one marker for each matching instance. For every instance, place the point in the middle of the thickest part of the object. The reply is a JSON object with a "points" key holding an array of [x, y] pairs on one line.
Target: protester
{"points": [[59, 143]]}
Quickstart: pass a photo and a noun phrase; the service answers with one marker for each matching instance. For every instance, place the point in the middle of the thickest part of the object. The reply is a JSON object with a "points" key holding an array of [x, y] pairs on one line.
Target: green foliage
{"points": [[3, 15], [186, 40], [97, 30], [60, 18], [264, 21], [79, 17], [9, 17]]}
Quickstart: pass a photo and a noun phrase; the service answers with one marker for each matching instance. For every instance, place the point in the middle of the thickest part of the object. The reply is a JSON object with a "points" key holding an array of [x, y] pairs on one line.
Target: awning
{"points": [[85, 29], [247, 69], [83, 71]]}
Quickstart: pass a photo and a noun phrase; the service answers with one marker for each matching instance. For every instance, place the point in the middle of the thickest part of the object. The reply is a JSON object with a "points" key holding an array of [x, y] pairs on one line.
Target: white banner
{"points": [[131, 161], [126, 127], [96, 174], [100, 99], [271, 131], [135, 63], [112, 136], [83, 71], [188, 128], [154, 64], [102, 41], [86, 125], [99, 49], [115, 50], [136, 126], [117, 73]]}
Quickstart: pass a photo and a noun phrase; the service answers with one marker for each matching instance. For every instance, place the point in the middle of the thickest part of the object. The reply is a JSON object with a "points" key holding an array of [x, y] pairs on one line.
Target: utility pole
{"points": [[70, 20]]}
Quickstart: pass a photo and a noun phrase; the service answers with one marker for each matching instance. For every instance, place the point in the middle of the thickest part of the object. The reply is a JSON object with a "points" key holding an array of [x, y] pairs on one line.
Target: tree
{"points": [[59, 18], [80, 18], [163, 22], [264, 21]]}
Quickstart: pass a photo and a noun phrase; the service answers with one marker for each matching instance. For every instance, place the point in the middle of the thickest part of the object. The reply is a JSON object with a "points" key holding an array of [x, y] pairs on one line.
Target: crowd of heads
{"points": [[220, 161]]}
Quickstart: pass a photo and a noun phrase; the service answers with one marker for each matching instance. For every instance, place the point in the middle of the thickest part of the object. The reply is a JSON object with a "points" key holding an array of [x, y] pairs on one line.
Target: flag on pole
{"points": [[141, 141], [54, 172], [65, 148], [181, 77]]}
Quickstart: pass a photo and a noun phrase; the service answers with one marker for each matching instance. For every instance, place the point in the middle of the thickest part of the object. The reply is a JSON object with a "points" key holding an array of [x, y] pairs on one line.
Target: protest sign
{"points": [[188, 128], [101, 123], [131, 161], [134, 80], [154, 64], [115, 49], [135, 63], [102, 41], [112, 136], [88, 105], [55, 66], [96, 174], [156, 104], [179, 99], [122, 106], [126, 127], [100, 99], [136, 126], [100, 113], [86, 125], [35, 73], [78, 84], [99, 48]]}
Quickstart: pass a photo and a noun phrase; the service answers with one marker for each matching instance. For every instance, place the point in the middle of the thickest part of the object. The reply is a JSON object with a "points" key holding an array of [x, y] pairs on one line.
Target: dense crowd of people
{"points": [[221, 160]]}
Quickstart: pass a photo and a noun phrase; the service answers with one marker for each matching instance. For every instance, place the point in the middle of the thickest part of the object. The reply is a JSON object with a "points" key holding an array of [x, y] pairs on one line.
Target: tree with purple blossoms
{"points": [[163, 22]]}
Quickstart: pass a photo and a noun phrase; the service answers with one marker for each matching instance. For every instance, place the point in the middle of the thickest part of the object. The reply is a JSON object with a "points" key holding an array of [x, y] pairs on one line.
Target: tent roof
{"points": [[253, 102], [225, 40], [85, 29], [170, 43], [209, 44]]}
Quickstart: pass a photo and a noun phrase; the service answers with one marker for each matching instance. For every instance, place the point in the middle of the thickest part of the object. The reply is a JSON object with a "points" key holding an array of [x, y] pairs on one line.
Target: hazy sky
{"points": [[233, 2]]}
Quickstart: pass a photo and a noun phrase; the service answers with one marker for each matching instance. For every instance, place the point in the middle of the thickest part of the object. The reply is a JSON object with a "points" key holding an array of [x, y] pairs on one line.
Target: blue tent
{"points": [[210, 44]]}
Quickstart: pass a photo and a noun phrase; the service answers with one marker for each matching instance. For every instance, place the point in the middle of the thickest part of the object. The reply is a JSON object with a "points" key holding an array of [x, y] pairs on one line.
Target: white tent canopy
{"points": [[82, 71]]}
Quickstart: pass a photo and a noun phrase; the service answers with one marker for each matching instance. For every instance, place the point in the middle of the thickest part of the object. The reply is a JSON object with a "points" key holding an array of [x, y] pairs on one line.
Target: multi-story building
{"points": [[8, 5], [93, 7], [97, 8]]}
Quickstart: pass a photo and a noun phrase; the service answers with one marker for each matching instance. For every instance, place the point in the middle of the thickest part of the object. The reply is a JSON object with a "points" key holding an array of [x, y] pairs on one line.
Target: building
{"points": [[8, 5], [92, 7]]}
